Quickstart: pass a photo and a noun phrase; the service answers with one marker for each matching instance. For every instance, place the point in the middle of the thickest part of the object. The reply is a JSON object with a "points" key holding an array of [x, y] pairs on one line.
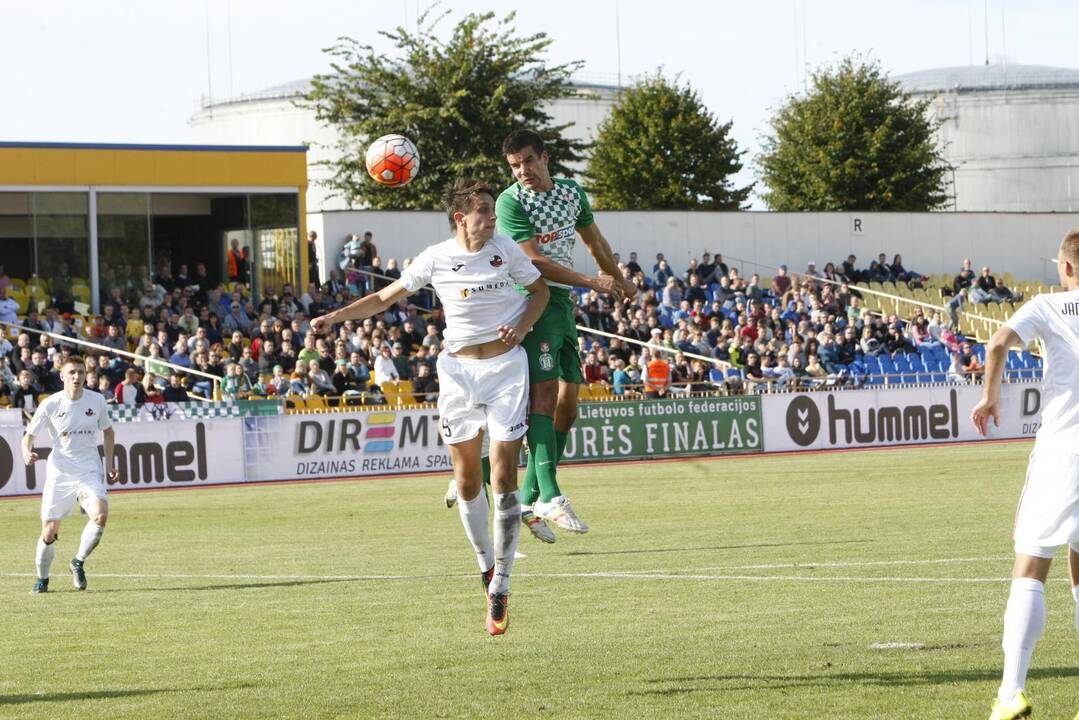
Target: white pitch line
{"points": [[868, 563], [593, 575]]}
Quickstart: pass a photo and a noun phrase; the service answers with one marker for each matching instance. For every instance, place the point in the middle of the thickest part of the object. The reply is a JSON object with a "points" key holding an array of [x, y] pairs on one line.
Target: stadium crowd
{"points": [[709, 328]]}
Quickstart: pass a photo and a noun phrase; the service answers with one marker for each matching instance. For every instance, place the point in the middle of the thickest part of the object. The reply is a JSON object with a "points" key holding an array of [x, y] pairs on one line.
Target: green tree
{"points": [[456, 99], [855, 141], [660, 148]]}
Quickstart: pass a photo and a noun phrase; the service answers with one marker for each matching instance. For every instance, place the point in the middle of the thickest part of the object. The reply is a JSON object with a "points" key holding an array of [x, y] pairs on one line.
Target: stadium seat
{"points": [[599, 390], [404, 393], [389, 389], [17, 284], [316, 403], [584, 392]]}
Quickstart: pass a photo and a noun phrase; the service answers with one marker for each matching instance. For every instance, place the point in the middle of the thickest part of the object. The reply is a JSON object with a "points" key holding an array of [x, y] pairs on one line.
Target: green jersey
{"points": [[550, 218]]}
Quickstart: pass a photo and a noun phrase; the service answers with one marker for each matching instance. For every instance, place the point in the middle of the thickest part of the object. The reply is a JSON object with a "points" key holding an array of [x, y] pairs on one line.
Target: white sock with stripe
{"points": [[43, 558], [1024, 622], [474, 514]]}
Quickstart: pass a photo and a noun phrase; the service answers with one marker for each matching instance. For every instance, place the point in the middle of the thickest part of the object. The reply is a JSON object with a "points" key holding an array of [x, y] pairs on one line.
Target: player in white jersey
{"points": [[483, 375], [1048, 514], [73, 473]]}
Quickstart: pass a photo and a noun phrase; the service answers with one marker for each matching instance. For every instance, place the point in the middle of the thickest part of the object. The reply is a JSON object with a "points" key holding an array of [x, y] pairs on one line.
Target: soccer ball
{"points": [[393, 160]]}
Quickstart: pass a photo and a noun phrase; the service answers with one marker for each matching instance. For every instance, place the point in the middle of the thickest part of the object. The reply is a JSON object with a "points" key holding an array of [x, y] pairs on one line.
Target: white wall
{"points": [[928, 242]]}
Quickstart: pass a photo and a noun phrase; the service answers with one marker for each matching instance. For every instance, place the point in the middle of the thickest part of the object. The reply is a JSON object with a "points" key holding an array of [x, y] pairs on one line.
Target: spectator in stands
{"points": [[972, 366], [981, 291], [175, 390], [920, 334], [237, 262], [236, 385], [896, 342], [634, 266], [114, 340], [657, 383], [830, 273], [180, 355], [662, 273], [956, 374], [103, 385], [400, 362], [250, 365], [781, 282], [705, 271], [237, 318], [25, 395], [318, 380], [828, 353], [815, 373], [152, 389], [956, 304], [425, 384], [129, 392], [1001, 293], [280, 381], [44, 378], [385, 370], [9, 309], [964, 279], [848, 347], [359, 368]]}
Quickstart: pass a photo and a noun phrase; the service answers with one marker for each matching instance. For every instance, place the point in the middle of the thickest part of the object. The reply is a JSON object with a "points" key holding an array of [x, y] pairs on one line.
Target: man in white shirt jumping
{"points": [[1048, 514], [73, 473], [483, 375]]}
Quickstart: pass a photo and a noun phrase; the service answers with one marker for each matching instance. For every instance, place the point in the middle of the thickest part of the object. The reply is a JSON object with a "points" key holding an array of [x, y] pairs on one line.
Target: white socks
{"points": [[1024, 621], [91, 536], [474, 517], [43, 558], [507, 532]]}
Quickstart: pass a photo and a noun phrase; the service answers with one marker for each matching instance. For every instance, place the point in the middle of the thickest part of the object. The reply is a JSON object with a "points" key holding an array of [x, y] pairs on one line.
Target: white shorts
{"points": [[491, 393], [1048, 514], [63, 491]]}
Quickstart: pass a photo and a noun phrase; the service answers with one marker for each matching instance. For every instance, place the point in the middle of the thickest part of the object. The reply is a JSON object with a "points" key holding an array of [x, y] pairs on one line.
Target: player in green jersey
{"points": [[545, 215]]}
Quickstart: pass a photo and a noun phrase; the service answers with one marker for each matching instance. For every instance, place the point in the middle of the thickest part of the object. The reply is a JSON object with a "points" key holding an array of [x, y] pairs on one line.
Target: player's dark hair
{"points": [[461, 195], [1069, 247], [518, 140]]}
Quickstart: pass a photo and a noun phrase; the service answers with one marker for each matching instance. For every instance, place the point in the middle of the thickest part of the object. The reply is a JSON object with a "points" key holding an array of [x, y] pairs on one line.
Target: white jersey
{"points": [[1054, 319], [73, 426], [478, 290]]}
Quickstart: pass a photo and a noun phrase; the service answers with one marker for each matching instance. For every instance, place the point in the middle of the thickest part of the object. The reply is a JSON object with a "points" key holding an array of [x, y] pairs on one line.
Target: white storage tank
{"points": [[1011, 132], [275, 116]]}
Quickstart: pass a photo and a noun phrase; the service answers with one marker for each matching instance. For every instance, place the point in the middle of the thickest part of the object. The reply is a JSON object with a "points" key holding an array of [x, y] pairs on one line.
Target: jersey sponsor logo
{"points": [[89, 412], [469, 292], [515, 428], [496, 261], [560, 234], [457, 267]]}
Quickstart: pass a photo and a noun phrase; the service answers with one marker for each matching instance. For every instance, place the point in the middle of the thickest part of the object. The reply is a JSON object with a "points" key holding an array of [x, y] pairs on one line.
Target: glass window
{"points": [[62, 229], [123, 242], [275, 223], [16, 238]]}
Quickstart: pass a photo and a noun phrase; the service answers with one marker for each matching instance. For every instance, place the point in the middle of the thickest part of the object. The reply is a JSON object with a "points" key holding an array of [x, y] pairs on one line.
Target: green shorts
{"points": [[552, 344]]}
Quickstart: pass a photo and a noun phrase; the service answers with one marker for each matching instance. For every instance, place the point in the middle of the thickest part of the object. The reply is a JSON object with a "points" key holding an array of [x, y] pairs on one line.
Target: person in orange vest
{"points": [[657, 380], [237, 262]]}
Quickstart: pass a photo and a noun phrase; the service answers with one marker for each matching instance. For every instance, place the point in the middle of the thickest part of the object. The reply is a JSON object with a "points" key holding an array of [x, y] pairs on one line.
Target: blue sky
{"points": [[135, 71]]}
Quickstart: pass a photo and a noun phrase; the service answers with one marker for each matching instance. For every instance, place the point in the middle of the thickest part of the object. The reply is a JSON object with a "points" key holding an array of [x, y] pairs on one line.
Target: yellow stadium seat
{"points": [[316, 403], [404, 393], [21, 298], [81, 293], [584, 392], [17, 284], [599, 390], [389, 389]]}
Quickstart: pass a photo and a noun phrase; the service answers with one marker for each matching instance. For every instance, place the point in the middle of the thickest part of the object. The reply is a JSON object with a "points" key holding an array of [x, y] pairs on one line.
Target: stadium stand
{"points": [[720, 332]]}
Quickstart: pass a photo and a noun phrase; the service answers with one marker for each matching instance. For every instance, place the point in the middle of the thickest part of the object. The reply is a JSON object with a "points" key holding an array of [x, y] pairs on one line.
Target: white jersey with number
{"points": [[1054, 319], [74, 426], [478, 290]]}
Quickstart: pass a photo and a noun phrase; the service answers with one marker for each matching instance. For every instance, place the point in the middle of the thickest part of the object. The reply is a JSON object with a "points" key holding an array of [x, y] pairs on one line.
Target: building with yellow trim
{"points": [[77, 220]]}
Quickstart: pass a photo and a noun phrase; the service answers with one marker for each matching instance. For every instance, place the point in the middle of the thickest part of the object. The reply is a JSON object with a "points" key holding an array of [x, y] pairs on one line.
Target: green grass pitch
{"points": [[738, 587]]}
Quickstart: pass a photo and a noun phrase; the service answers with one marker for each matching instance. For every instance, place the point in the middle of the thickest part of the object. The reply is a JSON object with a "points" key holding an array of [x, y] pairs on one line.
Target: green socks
{"points": [[560, 439], [542, 460]]}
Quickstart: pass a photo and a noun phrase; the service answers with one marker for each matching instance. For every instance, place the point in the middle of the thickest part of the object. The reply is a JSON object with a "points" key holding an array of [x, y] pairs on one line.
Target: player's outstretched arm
{"points": [[365, 307], [996, 353], [28, 454], [537, 301], [553, 271], [604, 256], [109, 436]]}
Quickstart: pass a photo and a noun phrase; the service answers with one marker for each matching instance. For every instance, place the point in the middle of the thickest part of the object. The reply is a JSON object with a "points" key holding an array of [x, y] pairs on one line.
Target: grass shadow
{"points": [[684, 685], [105, 694]]}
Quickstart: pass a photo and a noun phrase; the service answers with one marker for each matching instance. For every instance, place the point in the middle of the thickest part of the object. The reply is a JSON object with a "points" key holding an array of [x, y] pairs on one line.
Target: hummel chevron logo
{"points": [[803, 420]]}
